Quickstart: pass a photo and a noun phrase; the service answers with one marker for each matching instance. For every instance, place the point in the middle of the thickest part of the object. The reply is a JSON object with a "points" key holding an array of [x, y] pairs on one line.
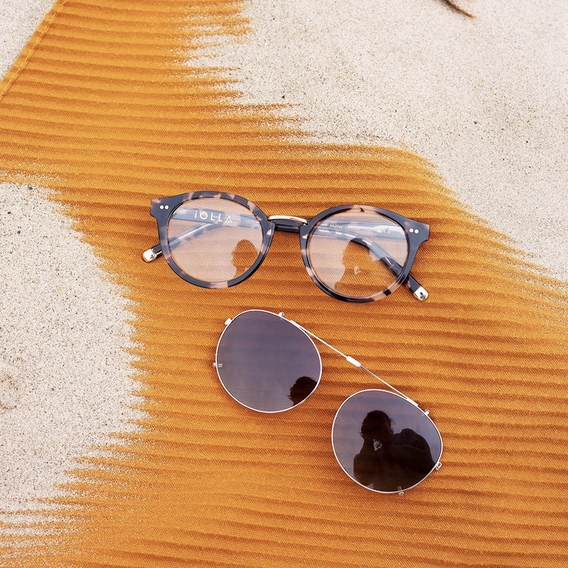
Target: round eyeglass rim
{"points": [[163, 209], [217, 366], [413, 241], [401, 491]]}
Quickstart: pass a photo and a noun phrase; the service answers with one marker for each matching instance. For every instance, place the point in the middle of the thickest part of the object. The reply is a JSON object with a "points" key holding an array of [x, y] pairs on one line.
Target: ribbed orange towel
{"points": [[101, 106]]}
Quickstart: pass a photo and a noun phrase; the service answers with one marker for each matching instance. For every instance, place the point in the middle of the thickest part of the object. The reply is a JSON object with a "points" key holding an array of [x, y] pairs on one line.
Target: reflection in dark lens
{"points": [[266, 363], [384, 442]]}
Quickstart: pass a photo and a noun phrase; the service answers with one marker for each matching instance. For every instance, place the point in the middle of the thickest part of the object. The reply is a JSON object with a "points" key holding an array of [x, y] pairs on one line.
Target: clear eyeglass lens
{"points": [[357, 253], [266, 363], [214, 240], [384, 442]]}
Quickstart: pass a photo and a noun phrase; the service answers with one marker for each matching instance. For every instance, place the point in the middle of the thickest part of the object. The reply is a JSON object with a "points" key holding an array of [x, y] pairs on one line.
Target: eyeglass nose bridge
{"points": [[287, 223]]}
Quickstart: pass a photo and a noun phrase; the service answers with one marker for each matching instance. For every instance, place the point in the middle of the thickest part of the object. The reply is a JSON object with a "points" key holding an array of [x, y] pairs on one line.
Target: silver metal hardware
{"points": [[149, 255], [420, 294], [349, 359], [288, 218]]}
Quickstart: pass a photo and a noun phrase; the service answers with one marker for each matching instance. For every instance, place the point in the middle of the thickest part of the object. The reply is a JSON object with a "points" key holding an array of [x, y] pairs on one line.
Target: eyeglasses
{"points": [[381, 439], [354, 253]]}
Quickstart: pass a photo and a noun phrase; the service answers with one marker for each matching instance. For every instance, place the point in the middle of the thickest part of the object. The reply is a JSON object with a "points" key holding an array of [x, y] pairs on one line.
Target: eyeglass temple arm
{"points": [[152, 253], [349, 359], [418, 291]]}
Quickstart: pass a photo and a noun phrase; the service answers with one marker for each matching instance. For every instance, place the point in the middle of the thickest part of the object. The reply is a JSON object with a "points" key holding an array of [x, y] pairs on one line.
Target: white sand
{"points": [[485, 99], [18, 21], [65, 379]]}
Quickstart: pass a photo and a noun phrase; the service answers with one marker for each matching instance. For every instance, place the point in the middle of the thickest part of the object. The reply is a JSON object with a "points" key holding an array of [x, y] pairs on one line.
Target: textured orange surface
{"points": [[101, 107]]}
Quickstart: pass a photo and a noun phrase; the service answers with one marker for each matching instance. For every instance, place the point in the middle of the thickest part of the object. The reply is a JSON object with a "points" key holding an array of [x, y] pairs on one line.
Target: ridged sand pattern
{"points": [[102, 107]]}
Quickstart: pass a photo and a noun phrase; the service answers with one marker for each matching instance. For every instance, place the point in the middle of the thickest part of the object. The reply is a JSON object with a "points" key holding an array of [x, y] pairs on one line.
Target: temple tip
{"points": [[151, 254], [420, 294]]}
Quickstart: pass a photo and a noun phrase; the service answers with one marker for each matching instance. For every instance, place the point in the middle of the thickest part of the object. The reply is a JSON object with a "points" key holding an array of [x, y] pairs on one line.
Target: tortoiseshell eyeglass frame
{"points": [[416, 233]]}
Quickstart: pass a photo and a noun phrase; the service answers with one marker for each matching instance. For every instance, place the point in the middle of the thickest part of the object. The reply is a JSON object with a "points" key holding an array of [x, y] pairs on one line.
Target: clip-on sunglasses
{"points": [[381, 439]]}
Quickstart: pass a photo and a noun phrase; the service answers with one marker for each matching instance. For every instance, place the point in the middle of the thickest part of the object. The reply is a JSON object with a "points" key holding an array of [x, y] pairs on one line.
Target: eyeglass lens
{"points": [[352, 252], [266, 363], [383, 442], [214, 240]]}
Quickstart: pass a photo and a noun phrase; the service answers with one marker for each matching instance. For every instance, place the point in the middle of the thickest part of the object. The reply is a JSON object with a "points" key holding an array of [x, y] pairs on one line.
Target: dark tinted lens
{"points": [[384, 442], [266, 363]]}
